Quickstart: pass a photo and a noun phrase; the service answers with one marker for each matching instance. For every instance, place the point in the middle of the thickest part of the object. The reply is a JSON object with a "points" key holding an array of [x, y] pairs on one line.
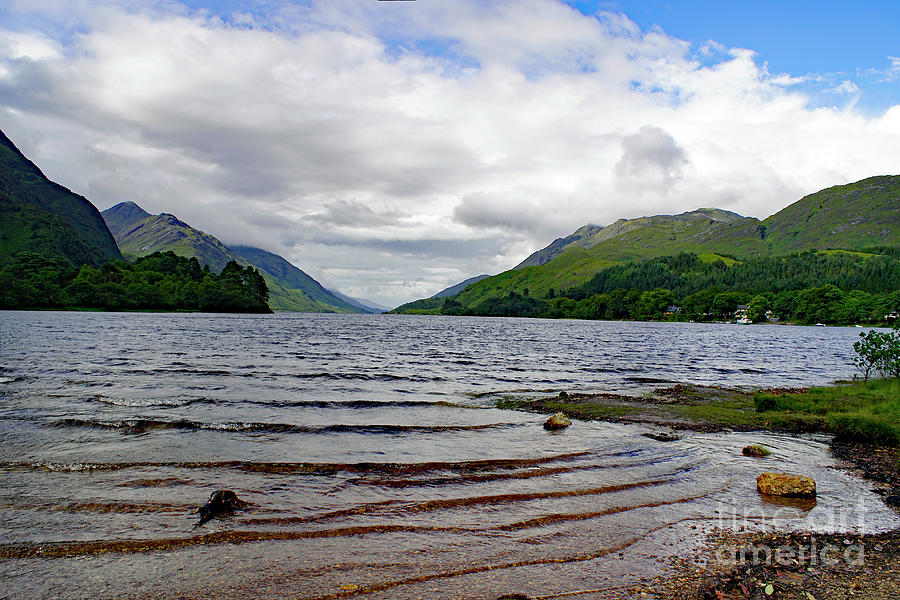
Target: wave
{"points": [[150, 402], [395, 507], [336, 404], [301, 467], [141, 425], [104, 507], [365, 377]]}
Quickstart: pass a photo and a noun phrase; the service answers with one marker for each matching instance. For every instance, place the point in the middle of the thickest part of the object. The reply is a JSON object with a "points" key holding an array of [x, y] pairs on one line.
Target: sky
{"points": [[392, 149]]}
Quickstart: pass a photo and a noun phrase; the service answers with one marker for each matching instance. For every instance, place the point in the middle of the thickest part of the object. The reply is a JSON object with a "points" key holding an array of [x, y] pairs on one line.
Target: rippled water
{"points": [[372, 454]]}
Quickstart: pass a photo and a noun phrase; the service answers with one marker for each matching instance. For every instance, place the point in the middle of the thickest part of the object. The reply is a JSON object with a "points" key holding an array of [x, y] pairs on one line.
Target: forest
{"points": [[159, 281], [831, 287]]}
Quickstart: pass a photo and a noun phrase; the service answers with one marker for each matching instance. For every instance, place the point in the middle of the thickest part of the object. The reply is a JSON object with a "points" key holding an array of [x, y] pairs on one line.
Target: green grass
{"points": [[865, 411], [862, 411], [865, 255], [711, 257]]}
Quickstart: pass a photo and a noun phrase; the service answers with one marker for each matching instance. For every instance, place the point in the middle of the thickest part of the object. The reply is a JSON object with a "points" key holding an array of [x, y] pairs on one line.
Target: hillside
{"points": [[704, 232], [861, 214], [162, 232], [123, 216], [292, 278], [455, 289], [857, 215], [139, 233], [40, 216]]}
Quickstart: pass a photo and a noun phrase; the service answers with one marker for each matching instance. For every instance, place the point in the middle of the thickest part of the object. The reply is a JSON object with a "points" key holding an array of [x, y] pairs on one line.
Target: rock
{"points": [[221, 502], [785, 484], [557, 421], [514, 597], [563, 396], [662, 437], [892, 500], [755, 450]]}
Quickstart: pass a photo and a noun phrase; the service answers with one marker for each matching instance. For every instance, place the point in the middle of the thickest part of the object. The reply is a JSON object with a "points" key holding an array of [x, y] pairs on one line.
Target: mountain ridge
{"points": [[850, 216], [41, 216], [290, 289]]}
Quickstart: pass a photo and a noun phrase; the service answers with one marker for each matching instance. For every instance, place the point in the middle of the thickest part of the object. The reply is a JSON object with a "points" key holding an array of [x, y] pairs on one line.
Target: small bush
{"points": [[864, 428], [766, 402], [878, 352]]}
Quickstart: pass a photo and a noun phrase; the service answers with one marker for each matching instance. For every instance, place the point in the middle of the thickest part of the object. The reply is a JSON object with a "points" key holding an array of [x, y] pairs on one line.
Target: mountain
{"points": [[158, 233], [139, 233], [366, 305], [556, 247], [455, 289], [292, 278], [123, 216], [40, 216], [853, 216]]}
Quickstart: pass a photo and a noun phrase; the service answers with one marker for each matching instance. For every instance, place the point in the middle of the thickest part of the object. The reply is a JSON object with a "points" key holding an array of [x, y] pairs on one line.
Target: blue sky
{"points": [[837, 40], [392, 149]]}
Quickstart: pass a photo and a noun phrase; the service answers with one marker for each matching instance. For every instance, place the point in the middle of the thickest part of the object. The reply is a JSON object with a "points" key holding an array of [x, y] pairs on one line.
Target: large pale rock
{"points": [[785, 484], [557, 421]]}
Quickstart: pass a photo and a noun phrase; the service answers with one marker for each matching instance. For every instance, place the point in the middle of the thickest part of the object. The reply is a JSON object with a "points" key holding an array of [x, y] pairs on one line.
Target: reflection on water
{"points": [[372, 455]]}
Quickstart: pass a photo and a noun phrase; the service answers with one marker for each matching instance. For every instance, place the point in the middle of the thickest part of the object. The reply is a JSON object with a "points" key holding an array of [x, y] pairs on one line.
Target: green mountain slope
{"points": [[865, 213], [705, 231], [40, 216], [455, 289], [162, 232], [857, 215], [290, 288], [293, 278]]}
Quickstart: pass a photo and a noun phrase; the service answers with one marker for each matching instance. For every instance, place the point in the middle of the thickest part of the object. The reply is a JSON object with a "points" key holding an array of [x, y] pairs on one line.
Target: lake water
{"points": [[373, 456]]}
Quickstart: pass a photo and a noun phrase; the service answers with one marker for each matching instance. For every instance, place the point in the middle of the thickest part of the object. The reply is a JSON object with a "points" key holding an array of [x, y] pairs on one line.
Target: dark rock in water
{"points": [[557, 421], [221, 502], [514, 597], [892, 500], [662, 437], [563, 396], [755, 450]]}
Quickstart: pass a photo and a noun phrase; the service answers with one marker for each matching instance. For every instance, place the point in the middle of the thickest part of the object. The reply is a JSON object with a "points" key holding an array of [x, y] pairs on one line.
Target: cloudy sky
{"points": [[391, 149]]}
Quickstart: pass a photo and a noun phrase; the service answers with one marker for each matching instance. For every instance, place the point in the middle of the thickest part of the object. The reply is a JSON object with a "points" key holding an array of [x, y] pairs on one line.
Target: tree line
{"points": [[841, 288], [159, 281]]}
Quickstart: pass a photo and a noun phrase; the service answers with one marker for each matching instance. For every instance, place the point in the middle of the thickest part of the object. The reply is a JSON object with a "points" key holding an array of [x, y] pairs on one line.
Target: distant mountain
{"points": [[556, 247], [455, 289], [294, 279], [366, 305], [853, 216], [139, 233], [123, 216], [158, 233], [40, 216]]}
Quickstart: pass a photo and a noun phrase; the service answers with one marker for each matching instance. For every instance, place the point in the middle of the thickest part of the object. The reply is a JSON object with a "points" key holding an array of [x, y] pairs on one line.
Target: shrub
{"points": [[878, 352], [864, 428], [766, 402]]}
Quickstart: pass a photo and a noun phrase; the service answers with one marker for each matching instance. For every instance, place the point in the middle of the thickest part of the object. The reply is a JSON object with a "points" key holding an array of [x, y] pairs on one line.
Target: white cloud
{"points": [[392, 149], [845, 87]]}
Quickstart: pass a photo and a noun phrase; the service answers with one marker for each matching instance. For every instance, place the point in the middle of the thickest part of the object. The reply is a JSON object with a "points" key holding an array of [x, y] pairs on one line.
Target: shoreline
{"points": [[684, 407], [710, 409]]}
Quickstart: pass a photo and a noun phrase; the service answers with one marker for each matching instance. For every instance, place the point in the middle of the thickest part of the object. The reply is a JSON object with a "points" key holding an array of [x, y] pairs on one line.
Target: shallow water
{"points": [[373, 457]]}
